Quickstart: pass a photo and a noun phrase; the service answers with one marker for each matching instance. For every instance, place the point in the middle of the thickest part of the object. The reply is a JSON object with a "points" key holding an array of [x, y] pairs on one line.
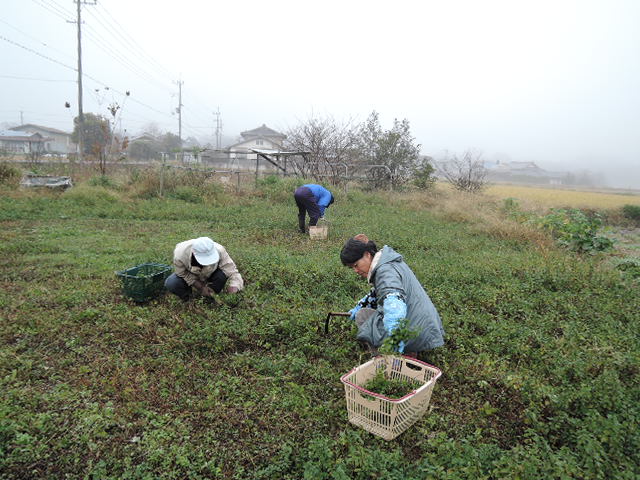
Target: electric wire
{"points": [[54, 8], [129, 64], [16, 77], [37, 40], [141, 53]]}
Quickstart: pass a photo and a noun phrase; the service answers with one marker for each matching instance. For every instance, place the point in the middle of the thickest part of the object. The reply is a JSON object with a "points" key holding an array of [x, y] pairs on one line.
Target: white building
{"points": [[242, 155], [13, 141], [56, 141]]}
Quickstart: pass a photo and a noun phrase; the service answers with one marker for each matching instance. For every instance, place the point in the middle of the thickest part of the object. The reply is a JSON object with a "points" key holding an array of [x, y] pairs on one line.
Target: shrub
{"points": [[631, 211], [423, 176], [575, 230], [630, 267], [102, 181], [279, 189], [187, 194], [188, 185], [9, 175]]}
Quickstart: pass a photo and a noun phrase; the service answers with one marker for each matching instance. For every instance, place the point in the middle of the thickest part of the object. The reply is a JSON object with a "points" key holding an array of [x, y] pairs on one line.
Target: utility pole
{"points": [[80, 113], [21, 119], [179, 112], [218, 129]]}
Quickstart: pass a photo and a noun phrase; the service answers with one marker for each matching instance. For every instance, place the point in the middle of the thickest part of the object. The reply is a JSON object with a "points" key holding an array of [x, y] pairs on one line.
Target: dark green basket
{"points": [[144, 282]]}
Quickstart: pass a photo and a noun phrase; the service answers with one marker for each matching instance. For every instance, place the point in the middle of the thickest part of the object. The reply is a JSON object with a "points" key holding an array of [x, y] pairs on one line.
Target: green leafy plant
{"points": [[575, 230], [630, 267], [631, 211], [402, 333], [102, 181], [390, 387]]}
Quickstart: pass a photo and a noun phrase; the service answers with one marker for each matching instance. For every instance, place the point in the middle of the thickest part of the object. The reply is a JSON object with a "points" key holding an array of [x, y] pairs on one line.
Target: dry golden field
{"points": [[557, 197]]}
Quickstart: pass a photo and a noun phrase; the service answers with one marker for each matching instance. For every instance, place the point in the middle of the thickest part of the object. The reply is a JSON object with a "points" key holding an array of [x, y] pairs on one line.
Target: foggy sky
{"points": [[555, 82]]}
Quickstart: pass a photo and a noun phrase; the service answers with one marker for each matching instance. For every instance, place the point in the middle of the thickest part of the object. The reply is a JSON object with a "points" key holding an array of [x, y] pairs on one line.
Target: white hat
{"points": [[205, 251]]}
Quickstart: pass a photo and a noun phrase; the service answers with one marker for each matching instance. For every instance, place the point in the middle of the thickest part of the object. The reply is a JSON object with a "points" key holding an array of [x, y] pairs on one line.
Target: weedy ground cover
{"points": [[540, 367]]}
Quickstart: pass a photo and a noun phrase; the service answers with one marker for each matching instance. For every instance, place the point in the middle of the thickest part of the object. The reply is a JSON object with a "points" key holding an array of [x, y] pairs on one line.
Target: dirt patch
{"points": [[627, 241]]}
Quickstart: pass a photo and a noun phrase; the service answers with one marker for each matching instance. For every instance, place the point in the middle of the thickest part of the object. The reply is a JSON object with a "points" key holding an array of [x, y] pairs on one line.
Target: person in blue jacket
{"points": [[396, 294], [313, 199]]}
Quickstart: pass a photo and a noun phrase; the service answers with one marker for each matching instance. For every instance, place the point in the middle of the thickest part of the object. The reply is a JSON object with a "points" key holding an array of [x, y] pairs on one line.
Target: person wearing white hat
{"points": [[205, 266]]}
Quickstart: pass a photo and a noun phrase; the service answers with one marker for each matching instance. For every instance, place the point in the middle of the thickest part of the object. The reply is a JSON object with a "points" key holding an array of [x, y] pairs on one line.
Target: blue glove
{"points": [[361, 303], [394, 310]]}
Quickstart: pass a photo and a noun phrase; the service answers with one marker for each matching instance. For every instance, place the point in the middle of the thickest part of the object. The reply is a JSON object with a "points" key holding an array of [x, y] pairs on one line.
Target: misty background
{"points": [[553, 82]]}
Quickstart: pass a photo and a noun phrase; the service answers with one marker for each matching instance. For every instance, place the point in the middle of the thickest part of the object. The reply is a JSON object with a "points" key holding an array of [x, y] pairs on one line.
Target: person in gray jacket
{"points": [[396, 294], [205, 266]]}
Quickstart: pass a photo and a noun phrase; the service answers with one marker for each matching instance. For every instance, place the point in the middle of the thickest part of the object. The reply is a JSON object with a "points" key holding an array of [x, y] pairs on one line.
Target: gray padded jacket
{"points": [[390, 274]]}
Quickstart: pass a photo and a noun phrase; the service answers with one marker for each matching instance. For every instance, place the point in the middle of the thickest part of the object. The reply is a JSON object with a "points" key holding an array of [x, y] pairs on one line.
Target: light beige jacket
{"points": [[190, 273]]}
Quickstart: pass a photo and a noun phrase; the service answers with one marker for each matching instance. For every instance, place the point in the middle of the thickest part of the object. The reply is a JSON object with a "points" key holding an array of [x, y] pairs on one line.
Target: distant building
{"points": [[263, 138], [13, 141], [523, 172], [56, 141], [241, 155], [509, 172]]}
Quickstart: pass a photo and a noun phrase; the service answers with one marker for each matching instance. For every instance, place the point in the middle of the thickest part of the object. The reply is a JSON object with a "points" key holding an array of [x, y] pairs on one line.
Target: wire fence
{"points": [[336, 173]]}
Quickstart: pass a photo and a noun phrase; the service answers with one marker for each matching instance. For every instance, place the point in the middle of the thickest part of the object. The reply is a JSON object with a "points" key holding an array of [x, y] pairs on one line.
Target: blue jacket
{"points": [[393, 280], [322, 196]]}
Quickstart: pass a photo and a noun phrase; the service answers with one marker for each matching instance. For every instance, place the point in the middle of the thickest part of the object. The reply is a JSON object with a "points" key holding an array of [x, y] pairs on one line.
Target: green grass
{"points": [[540, 367]]}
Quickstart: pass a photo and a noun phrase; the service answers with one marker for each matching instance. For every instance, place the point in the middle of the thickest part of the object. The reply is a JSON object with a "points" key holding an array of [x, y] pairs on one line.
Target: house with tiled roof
{"points": [[57, 141], [242, 155], [263, 138]]}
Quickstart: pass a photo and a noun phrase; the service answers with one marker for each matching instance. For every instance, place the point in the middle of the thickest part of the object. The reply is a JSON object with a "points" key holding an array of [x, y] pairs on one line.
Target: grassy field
{"points": [[540, 368], [559, 197]]}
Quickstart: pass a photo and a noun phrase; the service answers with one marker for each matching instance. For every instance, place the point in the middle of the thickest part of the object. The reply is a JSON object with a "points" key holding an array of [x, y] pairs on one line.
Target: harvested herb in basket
{"points": [[390, 387]]}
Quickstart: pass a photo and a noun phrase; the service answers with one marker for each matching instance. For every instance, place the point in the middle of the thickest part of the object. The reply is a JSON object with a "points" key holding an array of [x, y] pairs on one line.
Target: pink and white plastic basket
{"points": [[383, 416]]}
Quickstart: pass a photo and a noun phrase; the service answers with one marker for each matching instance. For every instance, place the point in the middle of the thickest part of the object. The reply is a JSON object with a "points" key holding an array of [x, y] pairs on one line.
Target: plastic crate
{"points": [[319, 232], [144, 282], [383, 416]]}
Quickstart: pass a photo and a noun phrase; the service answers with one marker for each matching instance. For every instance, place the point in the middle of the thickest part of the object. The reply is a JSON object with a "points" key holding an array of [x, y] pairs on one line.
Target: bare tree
{"points": [[467, 174], [330, 144]]}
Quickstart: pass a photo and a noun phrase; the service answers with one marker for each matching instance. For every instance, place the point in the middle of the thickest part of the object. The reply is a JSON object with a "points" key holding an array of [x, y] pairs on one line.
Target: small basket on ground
{"points": [[383, 416], [144, 282], [319, 232]]}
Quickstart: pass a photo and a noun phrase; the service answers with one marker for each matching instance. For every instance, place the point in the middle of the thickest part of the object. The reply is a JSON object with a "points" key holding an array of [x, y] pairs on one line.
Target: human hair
{"points": [[355, 248]]}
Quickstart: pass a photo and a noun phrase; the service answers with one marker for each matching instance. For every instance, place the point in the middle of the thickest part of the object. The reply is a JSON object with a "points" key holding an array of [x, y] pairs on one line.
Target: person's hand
{"points": [[232, 289], [354, 311], [206, 291]]}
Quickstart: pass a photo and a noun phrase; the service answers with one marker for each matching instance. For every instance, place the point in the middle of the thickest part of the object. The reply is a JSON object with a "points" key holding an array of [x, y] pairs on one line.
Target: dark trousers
{"points": [[179, 287], [306, 202]]}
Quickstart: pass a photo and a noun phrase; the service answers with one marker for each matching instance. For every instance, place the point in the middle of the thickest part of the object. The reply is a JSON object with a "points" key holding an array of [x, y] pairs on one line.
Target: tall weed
{"points": [[9, 175]]}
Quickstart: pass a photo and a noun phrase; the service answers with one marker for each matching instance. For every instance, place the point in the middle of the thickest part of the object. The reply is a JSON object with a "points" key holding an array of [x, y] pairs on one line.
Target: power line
{"points": [[127, 63], [35, 39], [36, 53], [112, 27], [75, 70], [95, 37], [37, 79], [132, 42], [53, 10]]}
